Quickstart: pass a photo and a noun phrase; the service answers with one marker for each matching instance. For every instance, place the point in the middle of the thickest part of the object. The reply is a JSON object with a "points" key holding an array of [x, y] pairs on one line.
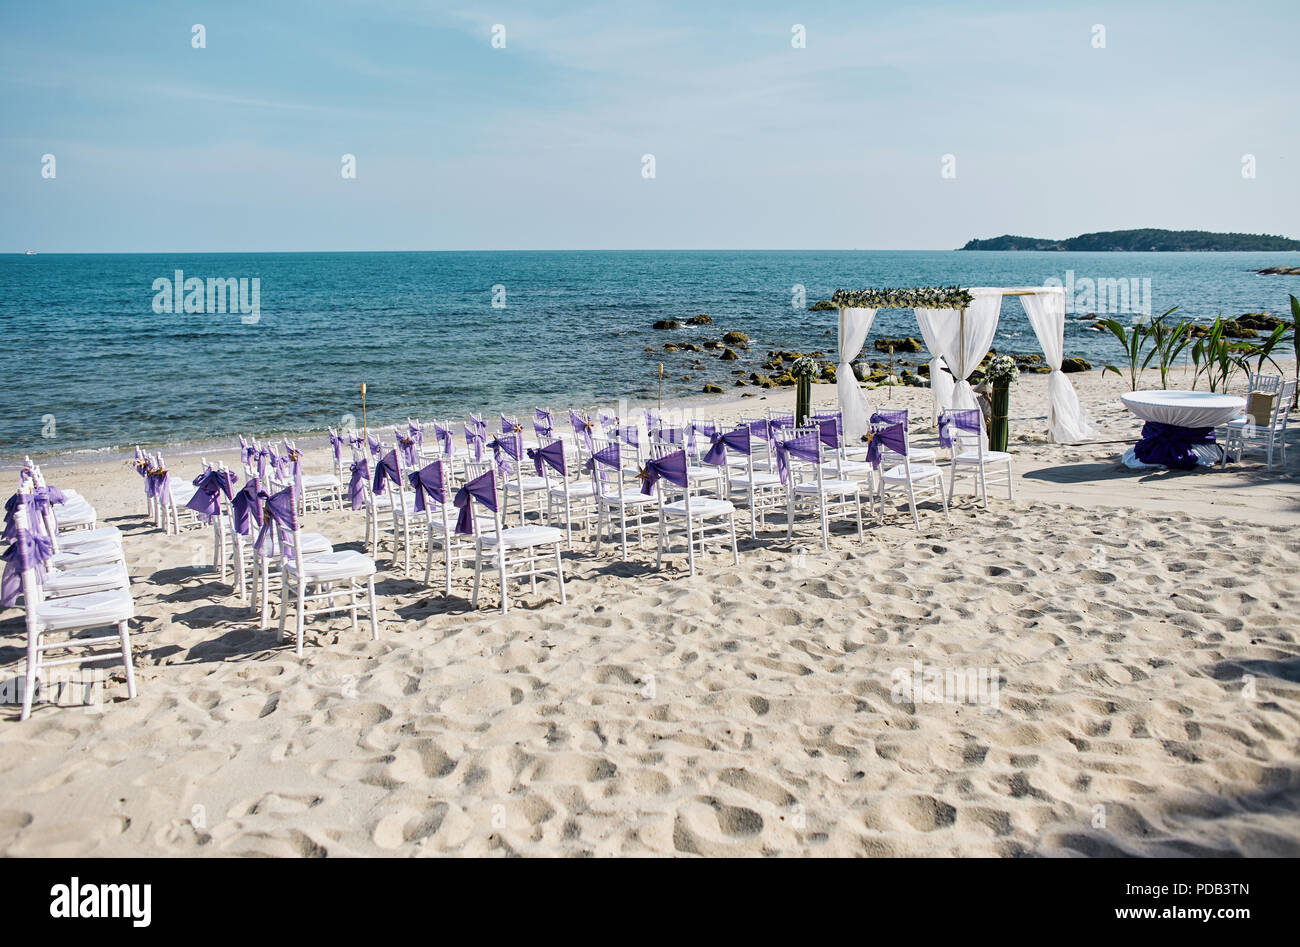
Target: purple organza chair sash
{"points": [[581, 428], [672, 467], [385, 470], [357, 486], [782, 421], [263, 461], [552, 455], [474, 439], [356, 441], [969, 420], [27, 550], [336, 442], [246, 508], [416, 432], [607, 419], [279, 462], [893, 436], [281, 510], [209, 484], [804, 447], [828, 430], [375, 444], [610, 456], [43, 498], [428, 482], [630, 435], [37, 523], [158, 483], [673, 435], [543, 422], [410, 450], [483, 489], [507, 448], [723, 441], [890, 417], [443, 436]]}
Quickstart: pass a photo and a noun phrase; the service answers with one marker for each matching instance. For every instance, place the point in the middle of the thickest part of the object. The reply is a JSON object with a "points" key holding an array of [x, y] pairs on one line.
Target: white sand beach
{"points": [[1141, 627]]}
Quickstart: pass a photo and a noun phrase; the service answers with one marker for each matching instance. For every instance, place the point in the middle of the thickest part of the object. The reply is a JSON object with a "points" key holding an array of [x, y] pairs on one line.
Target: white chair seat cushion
{"points": [[78, 611], [758, 480], [321, 482], [703, 473], [973, 457], [384, 501], [827, 486], [86, 554], [101, 534], [853, 467], [530, 484], [521, 537], [68, 515], [630, 498], [1241, 425], [108, 575], [920, 472], [331, 566], [701, 507], [576, 490]]}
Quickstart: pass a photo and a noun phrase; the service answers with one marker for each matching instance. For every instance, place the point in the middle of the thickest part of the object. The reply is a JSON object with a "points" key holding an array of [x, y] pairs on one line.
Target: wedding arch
{"points": [[958, 326]]}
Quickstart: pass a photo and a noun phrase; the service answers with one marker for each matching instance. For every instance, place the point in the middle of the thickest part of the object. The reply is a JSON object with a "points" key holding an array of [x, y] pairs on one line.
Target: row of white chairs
{"points": [[72, 578]]}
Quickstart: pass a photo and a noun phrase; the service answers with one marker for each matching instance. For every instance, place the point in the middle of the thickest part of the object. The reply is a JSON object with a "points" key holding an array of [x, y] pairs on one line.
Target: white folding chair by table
{"points": [[1247, 431]]}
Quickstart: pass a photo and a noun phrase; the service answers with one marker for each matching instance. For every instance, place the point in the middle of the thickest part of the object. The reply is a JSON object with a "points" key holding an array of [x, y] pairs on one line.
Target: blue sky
{"points": [[237, 146]]}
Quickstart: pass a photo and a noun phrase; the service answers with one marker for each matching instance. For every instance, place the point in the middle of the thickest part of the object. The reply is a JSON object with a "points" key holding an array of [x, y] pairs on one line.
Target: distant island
{"points": [[1141, 240]]}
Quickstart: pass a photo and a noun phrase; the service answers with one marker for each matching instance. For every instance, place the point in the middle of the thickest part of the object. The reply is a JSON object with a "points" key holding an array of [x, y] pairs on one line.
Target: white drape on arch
{"points": [[854, 326], [964, 340], [941, 382], [1067, 420]]}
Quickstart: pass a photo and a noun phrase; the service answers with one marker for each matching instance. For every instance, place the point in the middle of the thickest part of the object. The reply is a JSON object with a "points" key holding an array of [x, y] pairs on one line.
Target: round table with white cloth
{"points": [[1186, 409]]}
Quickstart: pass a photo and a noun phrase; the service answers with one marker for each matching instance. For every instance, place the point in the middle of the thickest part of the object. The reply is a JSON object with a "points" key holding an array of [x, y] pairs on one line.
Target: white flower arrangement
{"points": [[803, 367], [1002, 368]]}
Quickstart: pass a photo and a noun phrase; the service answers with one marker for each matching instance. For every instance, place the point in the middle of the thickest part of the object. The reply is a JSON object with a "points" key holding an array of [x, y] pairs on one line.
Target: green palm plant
{"points": [[1134, 343], [1263, 351], [1218, 358], [1295, 343], [1168, 342]]}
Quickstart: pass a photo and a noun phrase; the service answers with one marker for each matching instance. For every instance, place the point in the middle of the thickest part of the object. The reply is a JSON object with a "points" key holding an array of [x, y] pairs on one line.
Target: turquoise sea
{"points": [[87, 360]]}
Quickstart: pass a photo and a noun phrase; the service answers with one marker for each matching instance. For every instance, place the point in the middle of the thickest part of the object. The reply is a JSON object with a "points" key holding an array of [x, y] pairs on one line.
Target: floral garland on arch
{"points": [[916, 297]]}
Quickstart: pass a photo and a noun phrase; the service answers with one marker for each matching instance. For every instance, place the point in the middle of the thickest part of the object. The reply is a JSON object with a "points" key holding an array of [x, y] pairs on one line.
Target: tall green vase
{"points": [[999, 427], [802, 399]]}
